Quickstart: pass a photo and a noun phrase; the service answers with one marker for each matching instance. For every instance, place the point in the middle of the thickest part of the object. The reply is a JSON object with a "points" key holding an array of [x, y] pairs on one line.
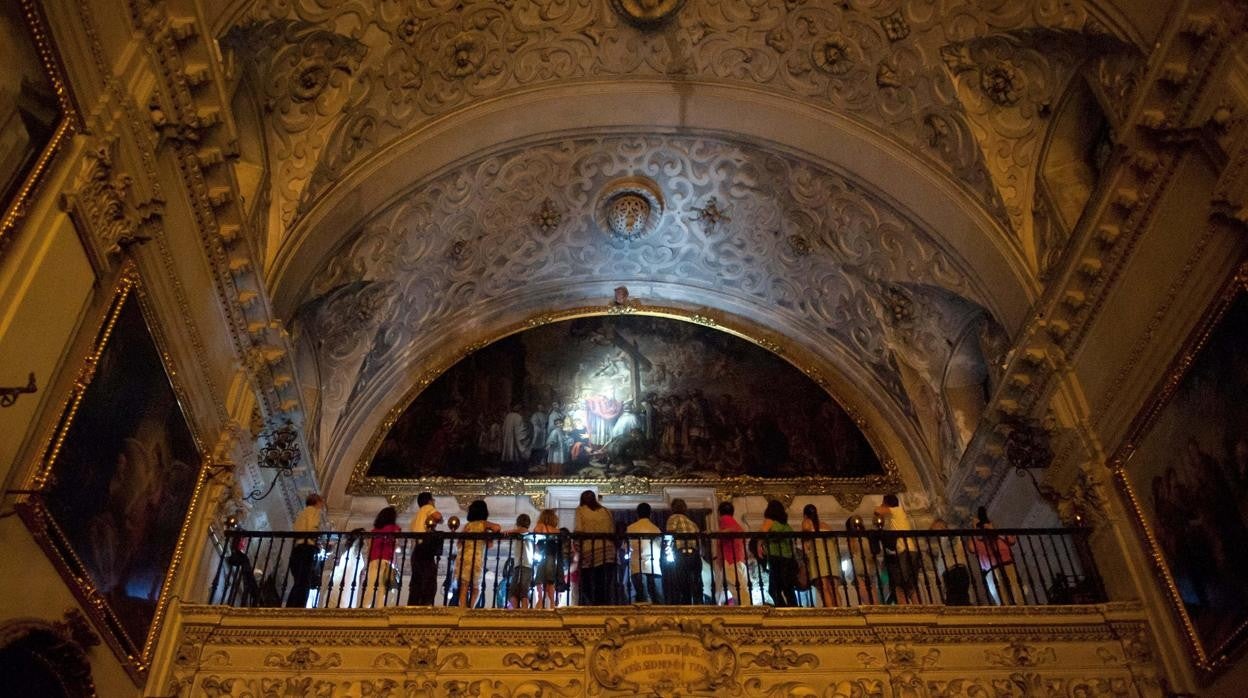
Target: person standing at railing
{"points": [[780, 555], [598, 554], [522, 564], [380, 572], [819, 558], [549, 547], [685, 587], [425, 553], [900, 553], [732, 555], [996, 561], [303, 556], [644, 557], [470, 566]]}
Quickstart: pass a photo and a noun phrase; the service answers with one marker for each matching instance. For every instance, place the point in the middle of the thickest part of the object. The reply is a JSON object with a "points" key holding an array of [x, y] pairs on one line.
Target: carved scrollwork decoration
{"points": [[303, 659], [780, 658], [545, 659], [1020, 654]]}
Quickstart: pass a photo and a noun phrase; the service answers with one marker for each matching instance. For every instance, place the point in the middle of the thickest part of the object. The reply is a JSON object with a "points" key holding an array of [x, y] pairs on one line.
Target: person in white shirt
{"points": [[303, 555], [426, 551], [645, 557]]}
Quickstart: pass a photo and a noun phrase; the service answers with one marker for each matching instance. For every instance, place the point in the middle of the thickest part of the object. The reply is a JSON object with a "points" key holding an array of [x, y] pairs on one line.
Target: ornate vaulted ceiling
{"points": [[857, 181]]}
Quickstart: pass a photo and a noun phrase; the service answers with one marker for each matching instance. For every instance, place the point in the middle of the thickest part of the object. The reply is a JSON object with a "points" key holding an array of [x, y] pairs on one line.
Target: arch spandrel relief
{"points": [[789, 245]]}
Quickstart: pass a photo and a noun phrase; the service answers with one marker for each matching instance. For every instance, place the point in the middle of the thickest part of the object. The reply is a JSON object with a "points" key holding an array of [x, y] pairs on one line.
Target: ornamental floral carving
{"points": [[545, 659], [1002, 82], [1019, 654], [833, 55], [303, 659], [780, 658]]}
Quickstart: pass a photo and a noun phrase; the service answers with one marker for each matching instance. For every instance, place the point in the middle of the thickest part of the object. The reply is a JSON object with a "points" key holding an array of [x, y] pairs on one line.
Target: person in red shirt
{"points": [[380, 572], [732, 555]]}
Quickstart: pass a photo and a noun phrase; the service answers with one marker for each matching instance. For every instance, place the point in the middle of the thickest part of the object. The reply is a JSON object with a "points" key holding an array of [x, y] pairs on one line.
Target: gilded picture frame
{"points": [[1214, 636], [123, 580], [16, 203], [849, 491]]}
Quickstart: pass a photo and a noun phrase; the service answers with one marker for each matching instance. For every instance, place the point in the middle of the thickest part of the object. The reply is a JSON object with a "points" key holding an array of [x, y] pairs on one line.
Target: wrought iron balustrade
{"points": [[486, 570]]}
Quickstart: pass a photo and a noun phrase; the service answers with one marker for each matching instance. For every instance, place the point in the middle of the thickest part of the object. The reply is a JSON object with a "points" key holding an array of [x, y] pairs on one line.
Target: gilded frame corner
{"points": [[849, 488], [1208, 661], [135, 654], [68, 123]]}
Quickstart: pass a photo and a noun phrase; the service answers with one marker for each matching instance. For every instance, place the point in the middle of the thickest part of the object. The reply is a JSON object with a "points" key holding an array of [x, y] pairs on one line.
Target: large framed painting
{"points": [[623, 400], [36, 112], [1184, 472], [117, 479]]}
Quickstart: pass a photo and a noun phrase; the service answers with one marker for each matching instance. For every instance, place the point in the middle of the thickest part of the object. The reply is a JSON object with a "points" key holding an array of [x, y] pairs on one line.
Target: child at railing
{"points": [[522, 564], [548, 547]]}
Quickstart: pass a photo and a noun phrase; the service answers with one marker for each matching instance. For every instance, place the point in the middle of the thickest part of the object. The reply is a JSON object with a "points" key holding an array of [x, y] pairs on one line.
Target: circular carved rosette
{"points": [[646, 14], [630, 209]]}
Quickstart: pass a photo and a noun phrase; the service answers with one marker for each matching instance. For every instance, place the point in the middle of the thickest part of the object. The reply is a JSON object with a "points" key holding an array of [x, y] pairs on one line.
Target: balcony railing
{"points": [[483, 570]]}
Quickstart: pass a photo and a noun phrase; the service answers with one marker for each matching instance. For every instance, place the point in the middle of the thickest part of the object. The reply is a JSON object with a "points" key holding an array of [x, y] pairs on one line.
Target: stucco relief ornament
{"points": [[833, 55], [464, 56], [630, 209], [1002, 82], [646, 14], [711, 216], [547, 217]]}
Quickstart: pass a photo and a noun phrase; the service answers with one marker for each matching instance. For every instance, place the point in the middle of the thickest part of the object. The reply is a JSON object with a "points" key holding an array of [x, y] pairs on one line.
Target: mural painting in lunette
{"points": [[624, 395]]}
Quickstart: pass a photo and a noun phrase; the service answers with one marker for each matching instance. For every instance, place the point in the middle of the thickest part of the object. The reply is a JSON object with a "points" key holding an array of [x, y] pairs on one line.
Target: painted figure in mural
{"points": [[557, 446], [538, 432], [515, 453], [581, 447]]}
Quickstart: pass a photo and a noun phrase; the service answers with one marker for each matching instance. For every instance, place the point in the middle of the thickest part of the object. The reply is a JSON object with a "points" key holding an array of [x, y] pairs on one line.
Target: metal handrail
{"points": [[815, 569]]}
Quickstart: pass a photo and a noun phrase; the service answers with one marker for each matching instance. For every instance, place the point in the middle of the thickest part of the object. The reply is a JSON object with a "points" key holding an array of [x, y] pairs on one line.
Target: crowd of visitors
{"points": [[665, 561]]}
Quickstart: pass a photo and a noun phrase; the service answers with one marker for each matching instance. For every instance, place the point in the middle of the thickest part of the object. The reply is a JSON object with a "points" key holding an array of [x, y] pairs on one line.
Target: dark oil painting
{"points": [[122, 482], [624, 395], [1191, 473]]}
